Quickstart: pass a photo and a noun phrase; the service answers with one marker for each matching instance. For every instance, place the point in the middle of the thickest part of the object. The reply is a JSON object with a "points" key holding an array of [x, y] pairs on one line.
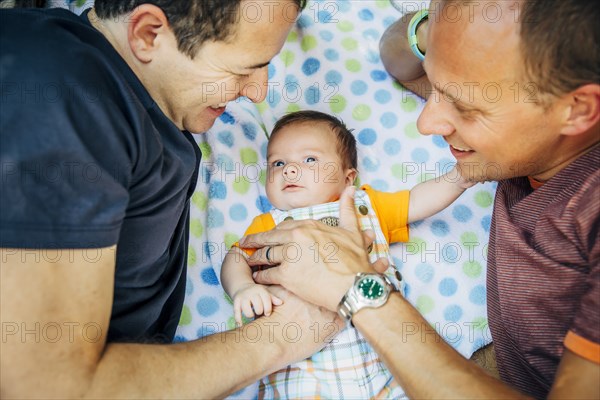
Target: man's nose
{"points": [[433, 119]]}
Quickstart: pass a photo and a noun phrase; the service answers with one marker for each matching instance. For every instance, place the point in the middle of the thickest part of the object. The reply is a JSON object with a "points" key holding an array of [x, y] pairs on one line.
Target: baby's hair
{"points": [[345, 138]]}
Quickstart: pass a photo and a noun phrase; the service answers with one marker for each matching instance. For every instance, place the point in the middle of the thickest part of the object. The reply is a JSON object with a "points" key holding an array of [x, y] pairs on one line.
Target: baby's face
{"points": [[304, 167]]}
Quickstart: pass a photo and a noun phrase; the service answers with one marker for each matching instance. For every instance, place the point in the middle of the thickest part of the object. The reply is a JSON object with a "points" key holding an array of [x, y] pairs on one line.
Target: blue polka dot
{"points": [[263, 149], [249, 131], [486, 222], [207, 329], [439, 141], [313, 95], [271, 70], [273, 98], [462, 213], [332, 55], [326, 35], [424, 272], [373, 57], [206, 172], [209, 277], [358, 87], [440, 228], [367, 136], [304, 21], [209, 249], [365, 15], [225, 137], [227, 118], [378, 75], [416, 224], [215, 218], [207, 306], [311, 66], [420, 155], [179, 339], [371, 34], [324, 17], [344, 5], [478, 343], [446, 164], [388, 21], [333, 77], [453, 313], [370, 165], [217, 190], [382, 96], [263, 204], [392, 147], [238, 212], [380, 185], [291, 79], [447, 287], [389, 120], [477, 295], [225, 162], [450, 252], [189, 287]]}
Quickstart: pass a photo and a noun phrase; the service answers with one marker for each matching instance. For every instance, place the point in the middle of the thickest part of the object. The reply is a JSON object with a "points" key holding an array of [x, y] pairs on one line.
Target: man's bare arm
{"points": [[42, 293]]}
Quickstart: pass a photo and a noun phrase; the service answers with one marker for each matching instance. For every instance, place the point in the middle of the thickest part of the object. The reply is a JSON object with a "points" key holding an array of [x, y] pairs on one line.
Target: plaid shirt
{"points": [[347, 368]]}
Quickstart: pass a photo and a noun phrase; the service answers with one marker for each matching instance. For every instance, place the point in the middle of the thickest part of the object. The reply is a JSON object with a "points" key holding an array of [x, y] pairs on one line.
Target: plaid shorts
{"points": [[347, 368]]}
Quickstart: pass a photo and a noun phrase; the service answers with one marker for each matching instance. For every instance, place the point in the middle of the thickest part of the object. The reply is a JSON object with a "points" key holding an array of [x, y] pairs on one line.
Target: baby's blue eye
{"points": [[278, 163], [310, 159]]}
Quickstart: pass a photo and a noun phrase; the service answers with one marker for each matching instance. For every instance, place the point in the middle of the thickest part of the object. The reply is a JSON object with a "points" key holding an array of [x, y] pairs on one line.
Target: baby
{"points": [[311, 158]]}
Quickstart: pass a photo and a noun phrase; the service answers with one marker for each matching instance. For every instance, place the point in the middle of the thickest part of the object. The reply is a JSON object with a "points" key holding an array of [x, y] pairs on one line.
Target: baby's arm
{"points": [[248, 297], [432, 196]]}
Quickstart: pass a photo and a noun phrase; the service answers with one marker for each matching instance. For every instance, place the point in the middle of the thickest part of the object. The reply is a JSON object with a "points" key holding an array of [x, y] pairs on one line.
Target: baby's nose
{"points": [[290, 169]]}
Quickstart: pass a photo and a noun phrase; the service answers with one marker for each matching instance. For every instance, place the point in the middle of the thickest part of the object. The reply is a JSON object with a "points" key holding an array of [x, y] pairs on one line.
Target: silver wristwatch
{"points": [[369, 290]]}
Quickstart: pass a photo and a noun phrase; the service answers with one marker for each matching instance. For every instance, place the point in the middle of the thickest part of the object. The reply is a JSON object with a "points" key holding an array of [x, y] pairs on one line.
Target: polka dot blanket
{"points": [[331, 63]]}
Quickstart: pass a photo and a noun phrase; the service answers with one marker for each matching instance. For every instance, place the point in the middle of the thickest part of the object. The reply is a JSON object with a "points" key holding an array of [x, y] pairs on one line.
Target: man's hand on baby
{"points": [[253, 300]]}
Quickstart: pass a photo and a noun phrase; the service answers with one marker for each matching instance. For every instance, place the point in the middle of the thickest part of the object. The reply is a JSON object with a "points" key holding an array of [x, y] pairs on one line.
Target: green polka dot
{"points": [[227, 298], [337, 103], [472, 269], [287, 57], [292, 107], [263, 177], [191, 257], [361, 112], [248, 156], [241, 186], [309, 42], [349, 44], [196, 228], [469, 239], [353, 65], [382, 3], [345, 26], [425, 304], [480, 323], [200, 200], [403, 171], [262, 107], [397, 85], [205, 149], [483, 199], [230, 239], [292, 37], [408, 104], [357, 182], [411, 131], [186, 316]]}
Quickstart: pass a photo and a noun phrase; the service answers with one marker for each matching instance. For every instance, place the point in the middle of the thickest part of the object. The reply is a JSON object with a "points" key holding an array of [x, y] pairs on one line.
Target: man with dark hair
{"points": [[514, 88], [98, 166]]}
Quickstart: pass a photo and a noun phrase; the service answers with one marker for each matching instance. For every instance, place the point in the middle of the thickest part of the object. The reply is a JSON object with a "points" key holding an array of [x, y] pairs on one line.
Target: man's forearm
{"points": [[210, 367], [402, 337]]}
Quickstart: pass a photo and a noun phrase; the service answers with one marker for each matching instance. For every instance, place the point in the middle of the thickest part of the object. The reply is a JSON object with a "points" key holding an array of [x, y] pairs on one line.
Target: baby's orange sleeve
{"points": [[261, 223], [392, 212]]}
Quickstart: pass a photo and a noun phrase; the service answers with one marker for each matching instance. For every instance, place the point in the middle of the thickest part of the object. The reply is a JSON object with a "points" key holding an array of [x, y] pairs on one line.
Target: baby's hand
{"points": [[253, 299]]}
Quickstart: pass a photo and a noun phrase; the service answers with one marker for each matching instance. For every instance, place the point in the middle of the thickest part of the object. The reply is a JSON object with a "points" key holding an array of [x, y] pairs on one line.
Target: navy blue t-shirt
{"points": [[88, 160]]}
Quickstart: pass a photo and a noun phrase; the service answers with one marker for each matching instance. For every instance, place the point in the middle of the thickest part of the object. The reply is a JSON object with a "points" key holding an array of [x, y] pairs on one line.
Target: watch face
{"points": [[370, 288]]}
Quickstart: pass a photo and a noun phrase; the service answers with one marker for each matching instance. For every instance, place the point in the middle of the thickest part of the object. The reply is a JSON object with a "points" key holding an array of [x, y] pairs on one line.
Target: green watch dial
{"points": [[370, 288]]}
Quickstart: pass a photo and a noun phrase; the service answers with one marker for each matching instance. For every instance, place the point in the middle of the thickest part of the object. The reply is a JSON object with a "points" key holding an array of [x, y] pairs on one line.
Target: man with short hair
{"points": [[514, 88], [98, 166]]}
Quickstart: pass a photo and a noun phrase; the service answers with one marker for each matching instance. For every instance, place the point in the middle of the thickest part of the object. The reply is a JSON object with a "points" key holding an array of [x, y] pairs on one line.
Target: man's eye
{"points": [[278, 163], [310, 159]]}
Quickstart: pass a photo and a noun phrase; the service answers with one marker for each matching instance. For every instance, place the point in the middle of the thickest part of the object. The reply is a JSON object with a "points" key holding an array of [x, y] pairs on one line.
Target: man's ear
{"points": [[145, 24], [351, 174], [581, 110]]}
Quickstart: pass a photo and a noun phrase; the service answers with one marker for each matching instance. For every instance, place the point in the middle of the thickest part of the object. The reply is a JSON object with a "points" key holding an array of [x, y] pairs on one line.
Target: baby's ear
{"points": [[351, 175]]}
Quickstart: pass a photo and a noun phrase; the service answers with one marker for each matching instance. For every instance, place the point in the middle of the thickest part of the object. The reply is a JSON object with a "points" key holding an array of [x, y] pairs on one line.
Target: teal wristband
{"points": [[411, 32]]}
